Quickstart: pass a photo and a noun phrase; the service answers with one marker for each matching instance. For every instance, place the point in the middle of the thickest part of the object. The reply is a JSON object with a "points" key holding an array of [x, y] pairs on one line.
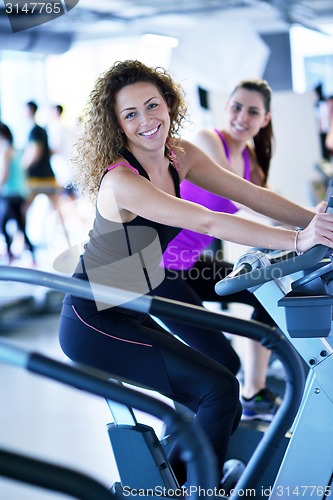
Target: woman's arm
{"points": [[134, 195], [209, 142], [32, 153], [200, 169]]}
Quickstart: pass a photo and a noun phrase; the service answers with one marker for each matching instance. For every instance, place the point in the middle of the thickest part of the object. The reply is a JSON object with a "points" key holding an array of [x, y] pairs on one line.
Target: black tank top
{"points": [[128, 255]]}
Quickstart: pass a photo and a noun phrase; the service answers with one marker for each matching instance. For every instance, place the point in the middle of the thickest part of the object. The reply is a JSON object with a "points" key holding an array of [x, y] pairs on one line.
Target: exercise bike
{"points": [[149, 476], [123, 433], [297, 292]]}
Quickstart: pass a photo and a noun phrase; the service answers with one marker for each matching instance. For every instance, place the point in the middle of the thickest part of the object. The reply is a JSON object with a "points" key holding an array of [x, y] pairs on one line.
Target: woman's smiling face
{"points": [[143, 116], [246, 114]]}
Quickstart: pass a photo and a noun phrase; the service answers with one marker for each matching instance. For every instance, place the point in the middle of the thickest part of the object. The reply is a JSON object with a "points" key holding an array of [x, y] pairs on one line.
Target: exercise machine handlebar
{"points": [[51, 476], [241, 278], [247, 273]]}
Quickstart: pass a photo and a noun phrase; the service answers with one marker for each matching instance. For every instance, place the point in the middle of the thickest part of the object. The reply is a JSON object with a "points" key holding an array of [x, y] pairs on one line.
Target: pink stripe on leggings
{"points": [[107, 334]]}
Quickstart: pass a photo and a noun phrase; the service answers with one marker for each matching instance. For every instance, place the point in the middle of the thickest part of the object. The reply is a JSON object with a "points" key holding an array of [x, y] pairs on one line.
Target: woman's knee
{"points": [[232, 389], [223, 390]]}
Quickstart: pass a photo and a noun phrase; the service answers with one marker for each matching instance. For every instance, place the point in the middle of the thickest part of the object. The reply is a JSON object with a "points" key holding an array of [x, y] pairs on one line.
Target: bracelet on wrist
{"points": [[295, 242]]}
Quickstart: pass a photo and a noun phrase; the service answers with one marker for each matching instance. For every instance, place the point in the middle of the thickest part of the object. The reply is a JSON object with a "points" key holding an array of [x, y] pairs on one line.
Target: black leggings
{"points": [[133, 346], [12, 207], [196, 286]]}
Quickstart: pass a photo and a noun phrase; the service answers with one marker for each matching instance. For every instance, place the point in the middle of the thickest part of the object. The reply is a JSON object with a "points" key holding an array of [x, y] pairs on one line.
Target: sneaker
{"points": [[262, 406]]}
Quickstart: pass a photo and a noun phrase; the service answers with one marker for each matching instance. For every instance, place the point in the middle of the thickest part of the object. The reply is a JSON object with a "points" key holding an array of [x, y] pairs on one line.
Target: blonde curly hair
{"points": [[101, 140]]}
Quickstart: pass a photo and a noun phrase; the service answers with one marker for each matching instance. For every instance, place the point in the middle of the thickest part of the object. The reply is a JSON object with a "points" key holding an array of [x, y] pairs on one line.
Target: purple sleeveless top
{"points": [[184, 250]]}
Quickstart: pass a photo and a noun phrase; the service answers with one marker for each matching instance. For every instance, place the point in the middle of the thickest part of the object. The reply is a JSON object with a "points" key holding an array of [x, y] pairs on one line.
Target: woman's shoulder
{"points": [[120, 164], [210, 141], [208, 134], [114, 173]]}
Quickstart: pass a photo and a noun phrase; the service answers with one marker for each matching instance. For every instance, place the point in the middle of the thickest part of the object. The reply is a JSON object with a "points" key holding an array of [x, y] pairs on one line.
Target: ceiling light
{"points": [[161, 40]]}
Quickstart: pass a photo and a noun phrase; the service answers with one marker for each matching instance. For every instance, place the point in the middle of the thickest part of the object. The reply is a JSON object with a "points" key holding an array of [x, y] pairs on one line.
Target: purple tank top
{"points": [[184, 250]]}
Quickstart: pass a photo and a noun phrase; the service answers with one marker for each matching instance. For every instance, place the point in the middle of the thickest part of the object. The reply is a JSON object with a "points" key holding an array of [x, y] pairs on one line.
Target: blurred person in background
{"points": [[329, 135], [36, 159], [61, 142]]}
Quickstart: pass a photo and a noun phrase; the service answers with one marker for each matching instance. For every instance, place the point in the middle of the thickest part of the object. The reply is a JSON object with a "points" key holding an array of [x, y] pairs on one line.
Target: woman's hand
{"points": [[320, 207], [318, 232]]}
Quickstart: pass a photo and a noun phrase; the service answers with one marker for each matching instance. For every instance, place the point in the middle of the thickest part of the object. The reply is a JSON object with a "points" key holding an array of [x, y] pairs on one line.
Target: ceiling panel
{"points": [[96, 18]]}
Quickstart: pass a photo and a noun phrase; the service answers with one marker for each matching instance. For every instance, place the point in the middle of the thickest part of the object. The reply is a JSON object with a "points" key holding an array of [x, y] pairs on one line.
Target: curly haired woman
{"points": [[131, 160]]}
